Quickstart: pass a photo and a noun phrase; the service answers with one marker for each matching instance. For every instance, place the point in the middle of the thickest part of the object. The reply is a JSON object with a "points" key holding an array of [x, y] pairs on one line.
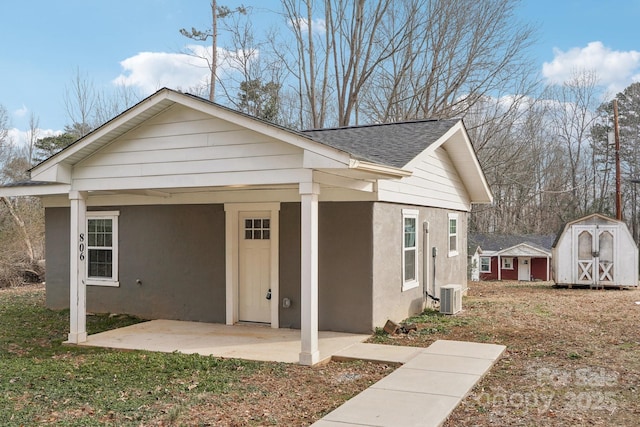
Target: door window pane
{"points": [[257, 229]]}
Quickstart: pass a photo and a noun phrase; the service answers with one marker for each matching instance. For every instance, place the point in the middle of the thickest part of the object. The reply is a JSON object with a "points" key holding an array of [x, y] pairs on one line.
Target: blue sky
{"points": [[44, 42]]}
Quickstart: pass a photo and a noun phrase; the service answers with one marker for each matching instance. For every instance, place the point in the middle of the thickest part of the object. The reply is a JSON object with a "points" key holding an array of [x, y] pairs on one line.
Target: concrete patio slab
{"points": [[249, 342]]}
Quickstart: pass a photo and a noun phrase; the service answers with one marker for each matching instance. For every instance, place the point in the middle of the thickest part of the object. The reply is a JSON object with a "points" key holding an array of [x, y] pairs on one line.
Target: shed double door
{"points": [[594, 255]]}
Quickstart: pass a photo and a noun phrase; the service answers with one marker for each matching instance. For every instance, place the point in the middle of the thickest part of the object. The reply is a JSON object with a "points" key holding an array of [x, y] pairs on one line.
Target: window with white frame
{"points": [[102, 248], [507, 263], [485, 264], [409, 249], [453, 234]]}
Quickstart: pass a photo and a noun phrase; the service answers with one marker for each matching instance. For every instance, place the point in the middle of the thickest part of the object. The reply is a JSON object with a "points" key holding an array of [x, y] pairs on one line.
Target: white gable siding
{"points": [[184, 143], [435, 182]]}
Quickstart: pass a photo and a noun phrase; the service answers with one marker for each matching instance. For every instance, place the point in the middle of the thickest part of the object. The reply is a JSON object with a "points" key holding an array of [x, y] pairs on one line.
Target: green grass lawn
{"points": [[43, 381]]}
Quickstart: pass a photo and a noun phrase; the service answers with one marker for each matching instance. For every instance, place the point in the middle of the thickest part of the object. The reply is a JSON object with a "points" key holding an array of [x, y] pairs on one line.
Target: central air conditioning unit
{"points": [[450, 299]]}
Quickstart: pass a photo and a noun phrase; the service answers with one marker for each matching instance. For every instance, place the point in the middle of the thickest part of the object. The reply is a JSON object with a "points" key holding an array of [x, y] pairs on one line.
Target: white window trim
{"points": [[504, 259], [406, 285], [113, 281], [485, 271], [449, 218]]}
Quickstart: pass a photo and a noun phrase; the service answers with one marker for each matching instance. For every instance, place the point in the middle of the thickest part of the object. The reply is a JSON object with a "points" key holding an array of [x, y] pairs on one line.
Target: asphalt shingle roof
{"points": [[390, 144], [498, 242]]}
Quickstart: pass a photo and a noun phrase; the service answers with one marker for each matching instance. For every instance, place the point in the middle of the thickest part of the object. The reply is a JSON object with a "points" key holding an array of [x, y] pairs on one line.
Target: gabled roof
{"points": [[391, 144], [370, 152], [594, 218], [500, 242]]}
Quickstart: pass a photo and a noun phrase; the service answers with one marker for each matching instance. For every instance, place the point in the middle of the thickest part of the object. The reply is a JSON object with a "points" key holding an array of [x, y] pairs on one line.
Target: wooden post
{"points": [[309, 354], [617, 138], [77, 269]]}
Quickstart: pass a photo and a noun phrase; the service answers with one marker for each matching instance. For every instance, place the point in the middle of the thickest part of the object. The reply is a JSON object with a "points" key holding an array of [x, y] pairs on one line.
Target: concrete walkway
{"points": [[422, 392]]}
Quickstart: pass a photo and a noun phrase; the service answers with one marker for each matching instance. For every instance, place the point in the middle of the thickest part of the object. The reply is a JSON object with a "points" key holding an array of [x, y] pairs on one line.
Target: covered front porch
{"points": [[174, 209], [241, 341]]}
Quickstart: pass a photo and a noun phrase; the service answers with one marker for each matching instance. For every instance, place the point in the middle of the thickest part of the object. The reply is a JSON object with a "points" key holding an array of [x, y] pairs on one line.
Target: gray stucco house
{"points": [[183, 209]]}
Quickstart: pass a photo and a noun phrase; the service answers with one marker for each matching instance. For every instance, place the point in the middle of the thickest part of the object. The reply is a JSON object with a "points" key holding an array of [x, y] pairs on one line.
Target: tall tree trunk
{"points": [[214, 49], [21, 226]]}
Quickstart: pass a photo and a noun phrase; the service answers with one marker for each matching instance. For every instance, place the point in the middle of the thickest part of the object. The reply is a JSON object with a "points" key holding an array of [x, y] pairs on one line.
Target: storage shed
{"points": [[595, 251]]}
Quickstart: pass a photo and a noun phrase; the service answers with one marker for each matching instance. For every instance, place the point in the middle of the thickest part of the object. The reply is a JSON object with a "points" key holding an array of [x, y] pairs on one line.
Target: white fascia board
{"points": [[466, 162], [377, 169], [35, 190], [338, 181]]}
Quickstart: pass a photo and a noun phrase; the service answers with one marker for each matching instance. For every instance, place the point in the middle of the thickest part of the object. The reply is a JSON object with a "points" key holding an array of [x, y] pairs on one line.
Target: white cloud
{"points": [[21, 112], [150, 71], [20, 138], [318, 26], [615, 69]]}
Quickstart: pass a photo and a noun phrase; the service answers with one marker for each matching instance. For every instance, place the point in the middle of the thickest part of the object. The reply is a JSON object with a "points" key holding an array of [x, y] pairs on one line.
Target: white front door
{"points": [[254, 303], [524, 268]]}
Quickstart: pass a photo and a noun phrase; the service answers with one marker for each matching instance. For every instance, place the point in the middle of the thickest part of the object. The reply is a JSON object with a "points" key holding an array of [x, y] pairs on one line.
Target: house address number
{"points": [[81, 246]]}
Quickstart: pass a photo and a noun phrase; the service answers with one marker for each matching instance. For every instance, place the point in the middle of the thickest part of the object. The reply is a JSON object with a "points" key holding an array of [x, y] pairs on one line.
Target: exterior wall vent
{"points": [[450, 299]]}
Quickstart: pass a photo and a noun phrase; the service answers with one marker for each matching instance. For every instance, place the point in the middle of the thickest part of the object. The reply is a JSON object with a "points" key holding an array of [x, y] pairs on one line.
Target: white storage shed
{"points": [[596, 251]]}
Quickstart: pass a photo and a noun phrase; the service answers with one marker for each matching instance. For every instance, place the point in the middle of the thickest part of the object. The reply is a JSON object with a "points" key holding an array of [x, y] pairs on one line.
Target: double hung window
{"points": [[409, 249], [102, 248]]}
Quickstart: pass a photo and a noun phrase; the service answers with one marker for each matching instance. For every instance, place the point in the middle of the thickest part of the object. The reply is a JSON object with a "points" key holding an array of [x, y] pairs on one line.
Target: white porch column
{"points": [[77, 271], [548, 268], [309, 354], [499, 268]]}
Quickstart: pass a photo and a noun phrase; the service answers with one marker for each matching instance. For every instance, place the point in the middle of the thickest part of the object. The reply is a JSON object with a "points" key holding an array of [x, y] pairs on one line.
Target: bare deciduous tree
{"points": [[407, 59], [195, 34], [21, 225], [572, 118], [80, 102]]}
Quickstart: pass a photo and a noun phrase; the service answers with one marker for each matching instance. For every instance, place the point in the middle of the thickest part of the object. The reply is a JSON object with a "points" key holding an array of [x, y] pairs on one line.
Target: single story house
{"points": [[510, 257], [595, 251], [183, 209]]}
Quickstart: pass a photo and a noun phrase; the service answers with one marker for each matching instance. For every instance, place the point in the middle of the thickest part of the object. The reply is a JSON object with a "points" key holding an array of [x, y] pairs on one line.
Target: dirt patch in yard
{"points": [[572, 359]]}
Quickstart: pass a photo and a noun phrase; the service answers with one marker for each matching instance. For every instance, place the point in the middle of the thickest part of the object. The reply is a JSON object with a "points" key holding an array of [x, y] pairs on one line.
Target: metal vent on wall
{"points": [[450, 299]]}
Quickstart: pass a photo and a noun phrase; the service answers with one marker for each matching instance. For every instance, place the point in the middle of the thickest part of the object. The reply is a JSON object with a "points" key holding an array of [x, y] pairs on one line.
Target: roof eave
{"points": [[466, 163], [44, 189], [377, 169]]}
